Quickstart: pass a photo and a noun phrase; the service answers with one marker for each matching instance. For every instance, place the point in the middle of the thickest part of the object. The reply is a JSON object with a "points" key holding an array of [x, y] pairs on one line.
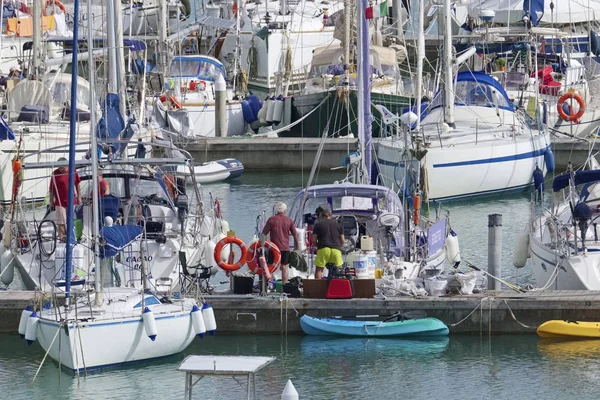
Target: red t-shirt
{"points": [[280, 227], [59, 186], [102, 185]]}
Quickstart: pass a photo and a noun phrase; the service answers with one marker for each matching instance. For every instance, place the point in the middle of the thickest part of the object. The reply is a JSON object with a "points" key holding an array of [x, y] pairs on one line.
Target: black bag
{"points": [[291, 289]]}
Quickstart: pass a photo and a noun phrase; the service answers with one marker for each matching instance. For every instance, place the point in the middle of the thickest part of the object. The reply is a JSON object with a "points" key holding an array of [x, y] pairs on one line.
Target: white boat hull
{"points": [[483, 168], [105, 343]]}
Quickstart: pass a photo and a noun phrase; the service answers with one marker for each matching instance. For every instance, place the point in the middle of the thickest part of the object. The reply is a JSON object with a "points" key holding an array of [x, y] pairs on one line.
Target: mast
{"points": [[72, 132], [37, 38], [94, 147], [420, 57], [163, 48], [120, 53], [363, 75], [112, 47], [448, 64]]}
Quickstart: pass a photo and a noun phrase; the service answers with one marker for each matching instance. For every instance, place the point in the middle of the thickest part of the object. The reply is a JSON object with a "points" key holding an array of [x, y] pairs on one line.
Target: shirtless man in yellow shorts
{"points": [[327, 235]]}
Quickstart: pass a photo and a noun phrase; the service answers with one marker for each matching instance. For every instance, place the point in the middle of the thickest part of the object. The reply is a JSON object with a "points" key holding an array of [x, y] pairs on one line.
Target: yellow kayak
{"points": [[569, 329]]}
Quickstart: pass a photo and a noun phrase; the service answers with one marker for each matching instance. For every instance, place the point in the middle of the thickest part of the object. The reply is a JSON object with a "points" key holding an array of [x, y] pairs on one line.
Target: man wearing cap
{"points": [[279, 228], [59, 196]]}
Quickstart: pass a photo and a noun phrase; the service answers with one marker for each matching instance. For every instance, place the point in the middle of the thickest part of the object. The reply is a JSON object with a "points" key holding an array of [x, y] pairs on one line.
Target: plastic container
{"points": [[366, 243], [278, 286], [436, 287], [364, 263]]}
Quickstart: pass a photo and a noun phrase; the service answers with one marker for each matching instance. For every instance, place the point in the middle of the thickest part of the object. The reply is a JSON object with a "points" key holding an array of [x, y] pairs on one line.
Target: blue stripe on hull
{"points": [[523, 156]]}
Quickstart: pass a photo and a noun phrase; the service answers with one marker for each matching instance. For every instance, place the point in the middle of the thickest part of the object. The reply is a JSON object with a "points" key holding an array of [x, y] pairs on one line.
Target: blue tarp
{"points": [[117, 237], [534, 10], [5, 132], [111, 112], [581, 177], [436, 236]]}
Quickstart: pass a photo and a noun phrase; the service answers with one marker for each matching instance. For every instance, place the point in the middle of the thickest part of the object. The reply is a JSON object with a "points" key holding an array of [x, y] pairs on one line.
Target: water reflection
{"points": [[356, 347]]}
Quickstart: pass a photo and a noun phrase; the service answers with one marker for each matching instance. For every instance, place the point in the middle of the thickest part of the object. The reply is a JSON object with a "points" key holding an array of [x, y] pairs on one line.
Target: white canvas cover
{"points": [[59, 86], [27, 93], [565, 12]]}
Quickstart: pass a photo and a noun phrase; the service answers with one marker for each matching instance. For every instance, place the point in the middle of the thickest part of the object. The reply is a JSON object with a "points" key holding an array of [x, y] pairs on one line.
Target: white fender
{"points": [[198, 322], [521, 249], [25, 314], [262, 113], [209, 253], [452, 248], [149, 323], [301, 239], [7, 267], [277, 111], [270, 110], [209, 319], [31, 330]]}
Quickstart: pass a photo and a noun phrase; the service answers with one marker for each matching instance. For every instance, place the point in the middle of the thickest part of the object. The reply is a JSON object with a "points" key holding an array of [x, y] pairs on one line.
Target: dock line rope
{"points": [[515, 318], [480, 305]]}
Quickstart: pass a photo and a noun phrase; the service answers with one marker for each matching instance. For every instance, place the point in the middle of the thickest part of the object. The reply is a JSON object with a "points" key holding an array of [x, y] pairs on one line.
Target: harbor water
{"points": [[459, 367]]}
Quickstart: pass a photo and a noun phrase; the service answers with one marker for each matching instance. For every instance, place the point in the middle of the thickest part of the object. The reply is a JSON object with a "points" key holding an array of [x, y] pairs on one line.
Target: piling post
{"points": [[289, 392], [494, 249], [220, 107]]}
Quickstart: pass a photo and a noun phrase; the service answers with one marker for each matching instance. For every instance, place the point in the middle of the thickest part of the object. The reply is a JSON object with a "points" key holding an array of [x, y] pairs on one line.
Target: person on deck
{"points": [[103, 185], [59, 196], [328, 236], [280, 227]]}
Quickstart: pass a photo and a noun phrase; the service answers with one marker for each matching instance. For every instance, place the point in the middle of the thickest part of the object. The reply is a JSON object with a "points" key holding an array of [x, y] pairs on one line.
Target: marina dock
{"points": [[502, 312], [294, 154]]}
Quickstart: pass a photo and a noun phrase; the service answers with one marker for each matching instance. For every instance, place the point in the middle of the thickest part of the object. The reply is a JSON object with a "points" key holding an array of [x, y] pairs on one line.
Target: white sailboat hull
{"points": [[105, 343], [472, 169]]}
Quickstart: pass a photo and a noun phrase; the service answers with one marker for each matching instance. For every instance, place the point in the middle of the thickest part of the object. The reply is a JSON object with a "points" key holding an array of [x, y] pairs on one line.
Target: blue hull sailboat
{"points": [[409, 327]]}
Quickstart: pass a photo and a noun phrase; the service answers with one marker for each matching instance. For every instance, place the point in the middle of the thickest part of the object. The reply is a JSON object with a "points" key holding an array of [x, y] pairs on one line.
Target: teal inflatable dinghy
{"points": [[344, 327]]}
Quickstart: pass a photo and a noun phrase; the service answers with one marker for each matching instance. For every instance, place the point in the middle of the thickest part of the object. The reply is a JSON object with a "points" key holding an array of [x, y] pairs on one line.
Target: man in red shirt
{"points": [[59, 196], [279, 228]]}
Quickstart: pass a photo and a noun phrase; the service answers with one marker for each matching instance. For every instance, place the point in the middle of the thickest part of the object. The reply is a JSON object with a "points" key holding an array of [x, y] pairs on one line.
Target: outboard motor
{"points": [[182, 207], [582, 213]]}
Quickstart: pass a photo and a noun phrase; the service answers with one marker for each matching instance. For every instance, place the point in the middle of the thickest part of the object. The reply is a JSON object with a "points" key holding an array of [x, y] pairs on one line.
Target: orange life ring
{"points": [[172, 99], [222, 243], [572, 117], [252, 260], [57, 3]]}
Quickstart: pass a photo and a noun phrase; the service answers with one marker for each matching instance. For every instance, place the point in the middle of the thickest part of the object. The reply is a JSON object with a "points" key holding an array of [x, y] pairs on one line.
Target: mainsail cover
{"points": [[534, 10]]}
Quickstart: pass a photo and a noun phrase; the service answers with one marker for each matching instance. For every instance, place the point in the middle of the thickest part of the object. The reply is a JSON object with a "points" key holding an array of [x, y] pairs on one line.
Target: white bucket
{"points": [[436, 287], [364, 263]]}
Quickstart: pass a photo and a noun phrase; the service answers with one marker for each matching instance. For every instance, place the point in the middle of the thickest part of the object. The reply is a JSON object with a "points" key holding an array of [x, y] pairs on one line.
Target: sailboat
{"points": [[379, 233], [110, 326], [470, 130]]}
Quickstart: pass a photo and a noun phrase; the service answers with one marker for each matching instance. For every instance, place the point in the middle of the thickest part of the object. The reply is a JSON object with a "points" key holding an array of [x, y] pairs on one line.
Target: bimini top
{"points": [[346, 197], [476, 89], [200, 67], [581, 177]]}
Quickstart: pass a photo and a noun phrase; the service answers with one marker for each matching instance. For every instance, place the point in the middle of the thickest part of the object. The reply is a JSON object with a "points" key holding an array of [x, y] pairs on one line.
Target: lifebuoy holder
{"points": [[573, 117], [252, 260], [229, 267]]}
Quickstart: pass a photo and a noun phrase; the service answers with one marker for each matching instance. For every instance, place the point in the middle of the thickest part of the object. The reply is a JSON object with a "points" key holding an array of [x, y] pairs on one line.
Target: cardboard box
{"points": [[314, 288], [364, 288]]}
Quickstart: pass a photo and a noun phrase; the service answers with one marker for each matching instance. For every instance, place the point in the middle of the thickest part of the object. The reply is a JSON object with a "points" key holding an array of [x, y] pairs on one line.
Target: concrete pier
{"points": [[294, 154], [502, 312], [264, 154]]}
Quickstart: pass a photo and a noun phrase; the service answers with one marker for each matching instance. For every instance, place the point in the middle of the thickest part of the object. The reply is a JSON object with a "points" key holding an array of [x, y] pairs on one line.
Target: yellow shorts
{"points": [[328, 255]]}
